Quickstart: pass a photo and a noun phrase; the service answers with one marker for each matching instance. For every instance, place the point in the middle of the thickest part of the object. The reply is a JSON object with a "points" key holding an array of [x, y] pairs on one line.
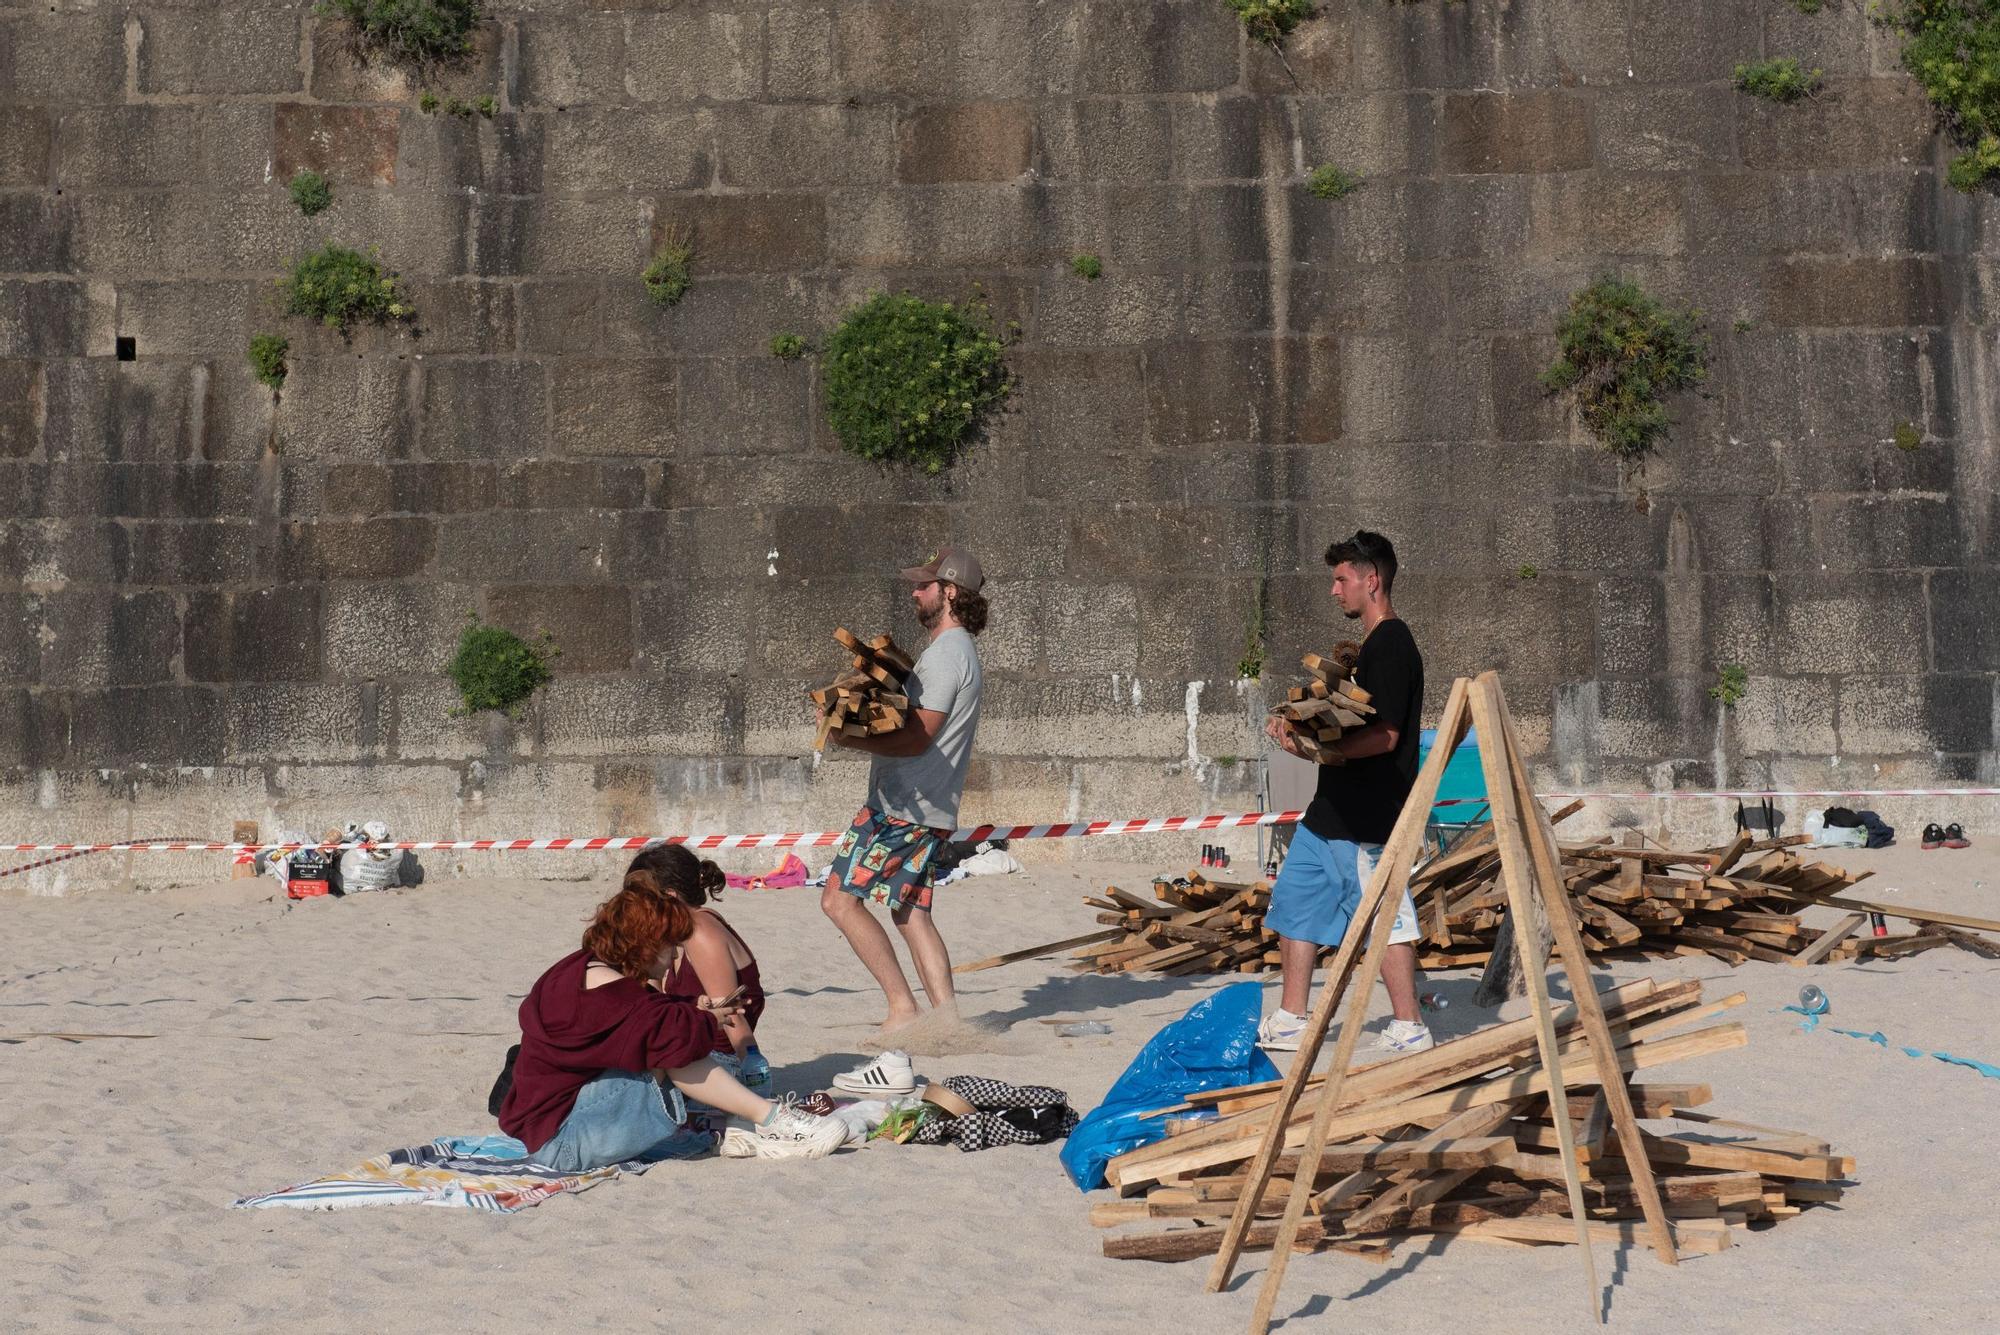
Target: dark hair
{"points": [[969, 608], [1366, 549], [632, 927], [693, 880]]}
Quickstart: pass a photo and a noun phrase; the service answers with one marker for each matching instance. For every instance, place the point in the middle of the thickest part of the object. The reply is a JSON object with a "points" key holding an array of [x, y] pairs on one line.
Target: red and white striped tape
{"points": [[821, 838]]}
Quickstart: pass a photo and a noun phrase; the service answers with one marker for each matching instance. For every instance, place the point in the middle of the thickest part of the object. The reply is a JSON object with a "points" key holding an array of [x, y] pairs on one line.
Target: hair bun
{"points": [[713, 882]]}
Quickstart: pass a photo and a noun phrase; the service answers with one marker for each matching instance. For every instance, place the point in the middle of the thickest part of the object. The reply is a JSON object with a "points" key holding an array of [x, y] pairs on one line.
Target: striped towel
{"points": [[490, 1173]]}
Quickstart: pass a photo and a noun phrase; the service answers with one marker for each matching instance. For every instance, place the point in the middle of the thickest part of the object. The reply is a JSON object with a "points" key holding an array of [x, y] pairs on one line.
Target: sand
{"points": [[296, 1040]]}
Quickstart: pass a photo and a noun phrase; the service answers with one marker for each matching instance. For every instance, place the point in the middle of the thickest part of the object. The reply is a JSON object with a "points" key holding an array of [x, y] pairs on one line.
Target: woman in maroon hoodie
{"points": [[606, 1056]]}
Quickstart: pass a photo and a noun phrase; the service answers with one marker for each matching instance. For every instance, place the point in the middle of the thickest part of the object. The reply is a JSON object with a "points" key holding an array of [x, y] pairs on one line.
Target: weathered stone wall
{"points": [[217, 604]]}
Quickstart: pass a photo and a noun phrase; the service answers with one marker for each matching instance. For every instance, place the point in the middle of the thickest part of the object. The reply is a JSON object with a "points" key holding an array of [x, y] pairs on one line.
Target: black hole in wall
{"points": [[128, 348]]}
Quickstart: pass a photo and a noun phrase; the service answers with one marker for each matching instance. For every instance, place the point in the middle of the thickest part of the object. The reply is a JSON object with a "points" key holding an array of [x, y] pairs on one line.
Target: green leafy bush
{"points": [[267, 357], [1087, 267], [1952, 47], [787, 347], [1272, 21], [1621, 353], [339, 287], [907, 379], [1908, 437], [496, 669], [1527, 572], [1729, 688], [1777, 80], [1330, 182], [310, 191], [671, 272], [426, 32]]}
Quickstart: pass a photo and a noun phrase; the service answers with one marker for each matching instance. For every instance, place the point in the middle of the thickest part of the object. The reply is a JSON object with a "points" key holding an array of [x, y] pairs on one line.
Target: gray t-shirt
{"points": [[925, 788]]}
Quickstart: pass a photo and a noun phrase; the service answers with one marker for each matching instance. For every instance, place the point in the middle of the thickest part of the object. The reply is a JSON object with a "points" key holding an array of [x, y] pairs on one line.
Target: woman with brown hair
{"points": [[606, 1056]]}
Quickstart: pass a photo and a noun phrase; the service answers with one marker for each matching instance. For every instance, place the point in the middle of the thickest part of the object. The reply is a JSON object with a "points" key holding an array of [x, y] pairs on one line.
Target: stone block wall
{"points": [[220, 603]]}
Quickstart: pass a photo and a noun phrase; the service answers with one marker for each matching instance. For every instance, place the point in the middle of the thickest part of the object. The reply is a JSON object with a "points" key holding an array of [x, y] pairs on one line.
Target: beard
{"points": [[1351, 615], [929, 614]]}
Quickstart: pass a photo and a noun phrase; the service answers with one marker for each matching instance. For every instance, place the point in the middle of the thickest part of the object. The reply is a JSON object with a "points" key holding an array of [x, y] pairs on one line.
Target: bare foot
{"points": [[897, 1021]]}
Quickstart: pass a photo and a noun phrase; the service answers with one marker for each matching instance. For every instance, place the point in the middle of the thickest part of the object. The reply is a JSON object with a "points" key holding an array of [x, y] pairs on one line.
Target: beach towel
{"points": [[491, 1173], [791, 872]]}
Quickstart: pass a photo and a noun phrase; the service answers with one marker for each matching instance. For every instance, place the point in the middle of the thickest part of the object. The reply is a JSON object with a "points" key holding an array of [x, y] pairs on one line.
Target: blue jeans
{"points": [[1320, 886], [621, 1116]]}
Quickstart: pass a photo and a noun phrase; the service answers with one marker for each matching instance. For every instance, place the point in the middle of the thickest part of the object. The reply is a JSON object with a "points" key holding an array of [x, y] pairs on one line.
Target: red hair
{"points": [[633, 926]]}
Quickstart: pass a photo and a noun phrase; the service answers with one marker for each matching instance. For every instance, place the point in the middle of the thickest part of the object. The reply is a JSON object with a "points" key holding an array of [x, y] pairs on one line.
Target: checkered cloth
{"points": [[1005, 1115]]}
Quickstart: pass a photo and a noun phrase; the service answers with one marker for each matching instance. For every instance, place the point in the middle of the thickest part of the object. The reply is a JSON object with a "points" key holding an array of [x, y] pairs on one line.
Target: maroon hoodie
{"points": [[571, 1034]]}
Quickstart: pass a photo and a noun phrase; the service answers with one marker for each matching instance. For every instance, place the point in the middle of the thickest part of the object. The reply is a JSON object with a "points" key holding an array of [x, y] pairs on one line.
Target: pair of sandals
{"points": [[1945, 836]]}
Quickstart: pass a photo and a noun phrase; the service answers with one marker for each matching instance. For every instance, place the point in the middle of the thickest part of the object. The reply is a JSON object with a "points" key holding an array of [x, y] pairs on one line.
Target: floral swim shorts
{"points": [[886, 861]]}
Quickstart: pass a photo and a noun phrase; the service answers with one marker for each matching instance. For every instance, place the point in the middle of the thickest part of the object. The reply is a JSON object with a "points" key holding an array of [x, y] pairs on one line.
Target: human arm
{"points": [[715, 967], [914, 738]]}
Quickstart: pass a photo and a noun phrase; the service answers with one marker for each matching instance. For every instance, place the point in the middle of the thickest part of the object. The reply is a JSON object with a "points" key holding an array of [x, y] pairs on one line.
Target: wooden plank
{"points": [[1823, 947], [1907, 912], [1036, 952]]}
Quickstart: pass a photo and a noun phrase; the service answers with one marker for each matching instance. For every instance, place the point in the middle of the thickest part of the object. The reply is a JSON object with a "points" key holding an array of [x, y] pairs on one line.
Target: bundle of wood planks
{"points": [[1191, 925], [1460, 1140], [1329, 704], [1735, 903], [869, 698]]}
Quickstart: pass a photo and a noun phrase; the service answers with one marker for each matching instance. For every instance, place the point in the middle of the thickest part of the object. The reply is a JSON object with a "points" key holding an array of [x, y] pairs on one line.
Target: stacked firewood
{"points": [[1459, 1140], [1317, 713], [1191, 925], [868, 699]]}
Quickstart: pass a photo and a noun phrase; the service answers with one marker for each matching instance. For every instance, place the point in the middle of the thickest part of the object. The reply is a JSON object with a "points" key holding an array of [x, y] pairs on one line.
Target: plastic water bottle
{"points": [[756, 1074], [1434, 1001]]}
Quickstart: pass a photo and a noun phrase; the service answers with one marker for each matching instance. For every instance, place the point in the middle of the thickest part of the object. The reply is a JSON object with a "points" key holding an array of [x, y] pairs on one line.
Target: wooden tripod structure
{"points": [[1530, 869]]}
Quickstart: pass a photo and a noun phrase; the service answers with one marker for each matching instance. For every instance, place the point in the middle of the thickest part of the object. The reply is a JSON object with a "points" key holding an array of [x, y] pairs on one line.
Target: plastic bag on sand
{"points": [[863, 1117], [369, 868], [1213, 1046]]}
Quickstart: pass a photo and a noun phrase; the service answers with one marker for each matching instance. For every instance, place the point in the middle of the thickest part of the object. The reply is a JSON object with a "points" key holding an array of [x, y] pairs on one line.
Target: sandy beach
{"points": [[288, 1041]]}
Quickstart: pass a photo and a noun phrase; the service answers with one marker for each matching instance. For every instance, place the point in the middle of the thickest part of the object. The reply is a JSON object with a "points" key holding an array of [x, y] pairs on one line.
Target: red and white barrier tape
{"points": [[821, 838]]}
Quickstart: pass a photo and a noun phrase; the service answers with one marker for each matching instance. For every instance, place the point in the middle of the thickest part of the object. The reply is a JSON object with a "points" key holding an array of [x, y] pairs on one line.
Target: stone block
{"points": [[1758, 213], [1841, 623], [25, 139], [572, 61], [428, 721], [343, 71], [1962, 714], [1180, 539], [1607, 534], [269, 634], [792, 146], [591, 623], [990, 141], [567, 547], [95, 638], [557, 234], [1374, 135], [1899, 210], [505, 154], [948, 53], [1522, 408], [208, 319], [304, 724], [1739, 622], [55, 318], [354, 145], [481, 409], [184, 490], [1121, 139], [66, 58], [637, 716], [1860, 386], [967, 226], [1884, 715], [170, 553], [1964, 614], [1415, 389], [164, 146], [465, 315], [1696, 43], [571, 484], [650, 148], [750, 233], [260, 54], [37, 234], [677, 630], [146, 725], [1883, 293], [714, 390], [393, 631], [138, 412], [1853, 123], [346, 408], [1095, 395], [22, 406], [1172, 47], [1287, 390], [694, 56], [1318, 58], [1232, 138], [1577, 217], [616, 407], [1631, 625], [1651, 128], [1523, 131], [388, 548]]}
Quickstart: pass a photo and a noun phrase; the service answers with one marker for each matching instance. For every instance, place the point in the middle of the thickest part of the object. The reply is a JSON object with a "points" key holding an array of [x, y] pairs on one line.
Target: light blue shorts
{"points": [[622, 1116], [1319, 888]]}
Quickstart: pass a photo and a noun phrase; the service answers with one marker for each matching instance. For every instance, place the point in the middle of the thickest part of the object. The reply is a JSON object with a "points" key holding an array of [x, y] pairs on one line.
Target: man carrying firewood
{"points": [[1364, 777], [888, 856]]}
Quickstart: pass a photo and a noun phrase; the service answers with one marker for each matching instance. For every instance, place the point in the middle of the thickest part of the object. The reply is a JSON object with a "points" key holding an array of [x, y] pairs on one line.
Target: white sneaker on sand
{"points": [[1400, 1039], [1280, 1031], [792, 1133], [887, 1076]]}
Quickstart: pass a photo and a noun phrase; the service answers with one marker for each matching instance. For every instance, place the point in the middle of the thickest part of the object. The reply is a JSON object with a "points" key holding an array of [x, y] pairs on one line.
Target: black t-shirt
{"points": [[1360, 800]]}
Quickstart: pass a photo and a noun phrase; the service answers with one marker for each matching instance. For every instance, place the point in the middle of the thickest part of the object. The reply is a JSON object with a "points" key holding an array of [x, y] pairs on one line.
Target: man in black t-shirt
{"points": [[1362, 788]]}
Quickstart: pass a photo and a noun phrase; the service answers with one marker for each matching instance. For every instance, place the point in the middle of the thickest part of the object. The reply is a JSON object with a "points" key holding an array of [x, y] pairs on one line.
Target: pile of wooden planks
{"points": [[1191, 925], [1318, 712], [1460, 1140], [1653, 900], [868, 699]]}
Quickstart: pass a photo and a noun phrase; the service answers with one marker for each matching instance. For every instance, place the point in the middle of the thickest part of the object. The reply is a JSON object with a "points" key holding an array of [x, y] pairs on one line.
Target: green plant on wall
{"points": [[340, 287], [907, 379], [1272, 21], [1952, 47], [1330, 182], [267, 358], [1621, 353], [310, 191], [1730, 686], [1251, 665], [1779, 79], [496, 669], [1908, 437], [671, 271], [1087, 267], [788, 347], [425, 32]]}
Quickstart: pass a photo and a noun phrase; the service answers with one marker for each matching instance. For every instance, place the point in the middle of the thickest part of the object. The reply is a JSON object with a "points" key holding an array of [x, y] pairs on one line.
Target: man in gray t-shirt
{"points": [[888, 856]]}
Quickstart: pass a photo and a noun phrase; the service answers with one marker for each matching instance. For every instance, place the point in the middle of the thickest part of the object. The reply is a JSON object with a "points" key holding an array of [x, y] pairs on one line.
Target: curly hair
{"points": [[969, 608], [694, 881], [633, 926]]}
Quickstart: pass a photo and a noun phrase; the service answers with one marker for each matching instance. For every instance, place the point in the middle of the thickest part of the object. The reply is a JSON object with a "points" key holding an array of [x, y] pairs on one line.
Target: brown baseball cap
{"points": [[953, 565]]}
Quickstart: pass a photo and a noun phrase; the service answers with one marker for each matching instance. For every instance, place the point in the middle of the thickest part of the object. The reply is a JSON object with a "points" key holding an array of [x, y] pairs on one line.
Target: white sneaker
{"points": [[1280, 1031], [887, 1076], [792, 1133], [1401, 1038]]}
